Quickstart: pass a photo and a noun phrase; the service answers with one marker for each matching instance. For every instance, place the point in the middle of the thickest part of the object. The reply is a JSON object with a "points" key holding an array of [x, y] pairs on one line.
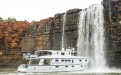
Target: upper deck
{"points": [[38, 53], [55, 52]]}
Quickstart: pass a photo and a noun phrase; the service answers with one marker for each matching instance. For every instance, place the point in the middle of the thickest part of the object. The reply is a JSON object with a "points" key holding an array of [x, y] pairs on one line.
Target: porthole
{"points": [[85, 60], [56, 60], [57, 52], [65, 60], [62, 60], [62, 53], [69, 60], [72, 61], [56, 66], [81, 65], [66, 66], [72, 66], [80, 60]]}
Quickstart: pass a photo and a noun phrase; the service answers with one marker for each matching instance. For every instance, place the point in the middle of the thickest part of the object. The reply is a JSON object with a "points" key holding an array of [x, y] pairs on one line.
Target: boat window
{"points": [[47, 61], [72, 66], [81, 65], [57, 52], [74, 53], [56, 66], [34, 62], [65, 60], [66, 66], [56, 60], [72, 61], [62, 60], [42, 53], [62, 53], [85, 60], [49, 53], [80, 60], [69, 60]]}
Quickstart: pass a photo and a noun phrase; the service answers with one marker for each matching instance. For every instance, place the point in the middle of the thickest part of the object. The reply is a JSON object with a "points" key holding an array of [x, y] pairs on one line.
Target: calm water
{"points": [[12, 71]]}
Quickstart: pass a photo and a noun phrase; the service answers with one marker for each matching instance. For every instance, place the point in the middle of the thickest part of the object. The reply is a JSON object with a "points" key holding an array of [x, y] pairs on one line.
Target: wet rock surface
{"points": [[112, 16]]}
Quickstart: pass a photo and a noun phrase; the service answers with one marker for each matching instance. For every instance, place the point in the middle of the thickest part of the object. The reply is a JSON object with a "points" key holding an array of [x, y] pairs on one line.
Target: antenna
{"points": [[73, 49], [63, 49]]}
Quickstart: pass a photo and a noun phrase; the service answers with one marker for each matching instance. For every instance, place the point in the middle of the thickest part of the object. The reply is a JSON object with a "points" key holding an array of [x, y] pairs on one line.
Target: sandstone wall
{"points": [[11, 34], [22, 37], [112, 16]]}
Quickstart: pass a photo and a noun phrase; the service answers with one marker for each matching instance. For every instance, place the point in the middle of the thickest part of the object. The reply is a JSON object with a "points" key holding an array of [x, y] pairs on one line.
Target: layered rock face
{"points": [[11, 34], [112, 16], [23, 37]]}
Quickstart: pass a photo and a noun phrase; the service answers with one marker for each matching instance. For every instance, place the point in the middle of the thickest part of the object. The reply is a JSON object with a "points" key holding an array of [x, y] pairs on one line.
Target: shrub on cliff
{"points": [[10, 19]]}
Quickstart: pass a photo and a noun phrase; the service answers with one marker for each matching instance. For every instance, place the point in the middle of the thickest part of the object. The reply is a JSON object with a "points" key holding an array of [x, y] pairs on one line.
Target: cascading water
{"points": [[63, 32], [91, 40]]}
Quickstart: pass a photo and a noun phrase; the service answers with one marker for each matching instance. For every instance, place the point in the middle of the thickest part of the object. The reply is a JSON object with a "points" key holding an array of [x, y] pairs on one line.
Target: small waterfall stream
{"points": [[63, 32], [91, 40]]}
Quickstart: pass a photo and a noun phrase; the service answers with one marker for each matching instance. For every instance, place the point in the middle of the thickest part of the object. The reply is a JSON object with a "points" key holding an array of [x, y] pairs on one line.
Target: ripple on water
{"points": [[64, 73], [86, 72]]}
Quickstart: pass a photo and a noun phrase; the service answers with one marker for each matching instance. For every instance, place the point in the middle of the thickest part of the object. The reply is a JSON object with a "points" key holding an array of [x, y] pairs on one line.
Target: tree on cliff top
{"points": [[10, 19], [1, 19]]}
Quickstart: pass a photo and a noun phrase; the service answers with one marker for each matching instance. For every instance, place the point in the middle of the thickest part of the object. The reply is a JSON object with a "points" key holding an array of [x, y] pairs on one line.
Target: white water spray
{"points": [[91, 36]]}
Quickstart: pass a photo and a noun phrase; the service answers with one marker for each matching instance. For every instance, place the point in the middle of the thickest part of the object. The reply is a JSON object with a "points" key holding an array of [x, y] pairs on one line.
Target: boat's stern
{"points": [[22, 68]]}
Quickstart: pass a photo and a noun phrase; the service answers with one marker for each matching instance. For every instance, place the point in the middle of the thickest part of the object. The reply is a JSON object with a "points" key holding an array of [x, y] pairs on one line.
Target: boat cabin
{"points": [[58, 60], [56, 52]]}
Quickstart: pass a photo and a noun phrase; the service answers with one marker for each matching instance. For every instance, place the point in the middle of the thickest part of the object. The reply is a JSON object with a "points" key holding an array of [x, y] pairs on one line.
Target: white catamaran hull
{"points": [[33, 69], [53, 61]]}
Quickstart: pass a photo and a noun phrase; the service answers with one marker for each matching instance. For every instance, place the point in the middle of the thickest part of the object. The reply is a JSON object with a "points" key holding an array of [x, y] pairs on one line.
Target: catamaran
{"points": [[53, 61]]}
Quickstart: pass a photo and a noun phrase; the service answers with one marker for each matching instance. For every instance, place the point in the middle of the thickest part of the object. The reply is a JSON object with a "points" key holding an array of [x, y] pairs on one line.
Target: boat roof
{"points": [[61, 57], [54, 51]]}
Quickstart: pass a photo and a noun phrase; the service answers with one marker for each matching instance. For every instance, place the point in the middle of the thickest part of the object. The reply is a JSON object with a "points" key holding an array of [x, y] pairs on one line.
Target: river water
{"points": [[13, 71]]}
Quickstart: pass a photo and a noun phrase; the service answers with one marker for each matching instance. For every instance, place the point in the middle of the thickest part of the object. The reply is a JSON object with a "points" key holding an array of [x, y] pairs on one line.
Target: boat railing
{"points": [[29, 55]]}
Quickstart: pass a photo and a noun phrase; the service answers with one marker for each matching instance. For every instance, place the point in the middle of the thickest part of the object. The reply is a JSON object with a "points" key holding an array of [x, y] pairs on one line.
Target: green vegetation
{"points": [[25, 21], [1, 19], [10, 19]]}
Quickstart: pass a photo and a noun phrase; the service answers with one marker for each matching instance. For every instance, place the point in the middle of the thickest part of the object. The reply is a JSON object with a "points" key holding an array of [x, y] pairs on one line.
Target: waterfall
{"points": [[91, 40], [63, 32]]}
